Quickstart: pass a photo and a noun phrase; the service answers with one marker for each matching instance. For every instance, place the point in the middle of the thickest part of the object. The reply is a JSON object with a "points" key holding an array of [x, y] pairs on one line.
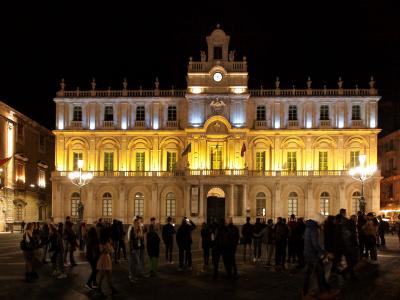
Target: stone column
{"points": [[231, 201], [121, 203], [310, 202], [342, 197], [244, 196], [154, 201], [90, 209], [277, 205], [201, 199]]}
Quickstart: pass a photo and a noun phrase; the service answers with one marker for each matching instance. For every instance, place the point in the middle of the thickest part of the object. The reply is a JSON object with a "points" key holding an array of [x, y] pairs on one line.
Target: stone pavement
{"points": [[255, 282]]}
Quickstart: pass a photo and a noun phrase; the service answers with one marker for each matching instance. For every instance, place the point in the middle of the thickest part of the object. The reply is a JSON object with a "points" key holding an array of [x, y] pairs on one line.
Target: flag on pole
{"points": [[4, 161], [187, 149], [243, 150]]}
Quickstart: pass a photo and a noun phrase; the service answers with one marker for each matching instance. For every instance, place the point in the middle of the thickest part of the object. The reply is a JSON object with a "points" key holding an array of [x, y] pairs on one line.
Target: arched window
{"points": [[18, 212], [74, 204], [324, 203], [107, 205], [260, 204], [170, 211], [139, 204], [355, 202], [292, 203]]}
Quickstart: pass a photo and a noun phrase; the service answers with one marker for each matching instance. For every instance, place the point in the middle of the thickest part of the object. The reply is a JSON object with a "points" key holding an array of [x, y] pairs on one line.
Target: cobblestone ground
{"points": [[255, 282]]}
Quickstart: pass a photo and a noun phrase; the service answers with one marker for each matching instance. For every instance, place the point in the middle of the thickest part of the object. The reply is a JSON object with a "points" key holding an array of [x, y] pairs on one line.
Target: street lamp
{"points": [[362, 173], [80, 179]]}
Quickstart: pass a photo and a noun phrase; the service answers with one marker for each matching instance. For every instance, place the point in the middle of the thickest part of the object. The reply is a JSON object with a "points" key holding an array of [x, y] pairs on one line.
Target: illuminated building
{"points": [[390, 165], [260, 153], [27, 159]]}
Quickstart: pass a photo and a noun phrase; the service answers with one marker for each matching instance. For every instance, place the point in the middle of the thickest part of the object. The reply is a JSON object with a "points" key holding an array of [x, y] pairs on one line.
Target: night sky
{"points": [[42, 43]]}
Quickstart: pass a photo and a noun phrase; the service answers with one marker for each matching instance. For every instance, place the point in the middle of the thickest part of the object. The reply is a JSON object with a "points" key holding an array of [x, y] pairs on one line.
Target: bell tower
{"points": [[218, 45]]}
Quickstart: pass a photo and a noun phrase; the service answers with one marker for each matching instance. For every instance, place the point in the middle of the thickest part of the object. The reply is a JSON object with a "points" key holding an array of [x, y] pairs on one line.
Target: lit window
{"points": [[107, 205], [260, 204], [323, 160], [292, 204], [324, 113], [140, 161], [291, 161], [216, 157], [172, 113], [260, 161], [139, 204], [356, 112], [292, 113], [170, 205], [108, 161], [260, 113], [42, 179], [20, 172], [354, 159], [140, 116], [324, 204], [171, 161], [355, 200], [75, 157], [77, 115]]}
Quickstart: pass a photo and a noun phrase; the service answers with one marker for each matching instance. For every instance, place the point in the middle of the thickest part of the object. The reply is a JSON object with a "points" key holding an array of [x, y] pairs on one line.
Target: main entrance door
{"points": [[215, 205]]}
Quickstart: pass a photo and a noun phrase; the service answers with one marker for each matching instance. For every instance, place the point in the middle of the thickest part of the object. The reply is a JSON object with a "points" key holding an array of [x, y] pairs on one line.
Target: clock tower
{"points": [[218, 75]]}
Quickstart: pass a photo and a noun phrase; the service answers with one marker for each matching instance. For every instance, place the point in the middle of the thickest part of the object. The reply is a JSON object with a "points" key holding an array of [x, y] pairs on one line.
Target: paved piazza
{"points": [[255, 282]]}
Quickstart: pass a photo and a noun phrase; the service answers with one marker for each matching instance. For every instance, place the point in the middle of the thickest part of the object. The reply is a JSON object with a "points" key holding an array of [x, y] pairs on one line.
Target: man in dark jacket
{"points": [[184, 241], [247, 234], [257, 228], [231, 240], [314, 256], [153, 248], [281, 235], [168, 232]]}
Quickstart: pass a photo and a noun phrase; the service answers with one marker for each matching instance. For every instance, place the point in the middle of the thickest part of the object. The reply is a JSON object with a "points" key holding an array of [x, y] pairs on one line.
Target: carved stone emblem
{"points": [[217, 106]]}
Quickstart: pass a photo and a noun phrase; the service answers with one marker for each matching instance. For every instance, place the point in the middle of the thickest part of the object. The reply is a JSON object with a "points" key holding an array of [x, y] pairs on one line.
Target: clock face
{"points": [[217, 76]]}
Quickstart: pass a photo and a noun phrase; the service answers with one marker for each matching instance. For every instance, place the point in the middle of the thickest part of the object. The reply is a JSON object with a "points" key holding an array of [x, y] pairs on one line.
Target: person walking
{"points": [[205, 244], [382, 228], [82, 236], [153, 248], [72, 244], [104, 264], [247, 235], [92, 256], [168, 232]]}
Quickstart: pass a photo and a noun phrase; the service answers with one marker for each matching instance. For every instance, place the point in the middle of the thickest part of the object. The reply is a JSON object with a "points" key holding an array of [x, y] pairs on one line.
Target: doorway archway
{"points": [[215, 204]]}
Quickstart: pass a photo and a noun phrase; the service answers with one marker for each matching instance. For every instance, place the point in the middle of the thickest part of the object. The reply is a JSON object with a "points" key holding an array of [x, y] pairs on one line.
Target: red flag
{"points": [[243, 150], [4, 161]]}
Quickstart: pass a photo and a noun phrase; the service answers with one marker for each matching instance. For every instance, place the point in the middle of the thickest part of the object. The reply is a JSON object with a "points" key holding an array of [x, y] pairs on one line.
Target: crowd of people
{"points": [[311, 245]]}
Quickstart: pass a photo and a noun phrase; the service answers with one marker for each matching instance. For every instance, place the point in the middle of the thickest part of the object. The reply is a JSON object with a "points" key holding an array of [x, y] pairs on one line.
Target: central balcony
{"points": [[211, 173]]}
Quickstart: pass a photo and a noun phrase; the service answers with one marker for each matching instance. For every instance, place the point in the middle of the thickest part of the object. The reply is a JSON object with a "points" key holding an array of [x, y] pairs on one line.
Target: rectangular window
{"points": [[291, 161], [324, 113], [323, 160], [170, 209], [76, 156], [140, 162], [20, 172], [356, 112], [172, 113], [108, 161], [217, 52], [292, 113], [108, 113], [260, 113], [140, 113], [42, 178], [216, 157], [260, 161], [354, 159], [171, 161], [107, 207], [77, 116]]}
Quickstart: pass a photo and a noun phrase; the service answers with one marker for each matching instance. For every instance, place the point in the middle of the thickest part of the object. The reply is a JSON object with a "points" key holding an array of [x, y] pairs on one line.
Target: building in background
{"points": [[26, 162], [217, 149], [389, 160]]}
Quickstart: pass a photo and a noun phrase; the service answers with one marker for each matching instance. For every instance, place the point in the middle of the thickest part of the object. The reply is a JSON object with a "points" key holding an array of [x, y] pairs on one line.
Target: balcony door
{"points": [[216, 157]]}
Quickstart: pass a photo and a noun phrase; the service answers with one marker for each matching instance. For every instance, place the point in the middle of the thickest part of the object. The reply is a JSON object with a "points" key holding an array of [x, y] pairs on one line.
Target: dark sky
{"points": [[42, 43]]}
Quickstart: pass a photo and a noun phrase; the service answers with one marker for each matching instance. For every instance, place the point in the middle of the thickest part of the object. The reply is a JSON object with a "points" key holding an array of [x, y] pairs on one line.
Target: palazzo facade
{"points": [[216, 149]]}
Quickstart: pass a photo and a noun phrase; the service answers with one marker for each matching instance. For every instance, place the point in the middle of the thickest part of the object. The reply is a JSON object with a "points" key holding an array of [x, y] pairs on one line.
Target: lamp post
{"points": [[362, 173], [80, 179]]}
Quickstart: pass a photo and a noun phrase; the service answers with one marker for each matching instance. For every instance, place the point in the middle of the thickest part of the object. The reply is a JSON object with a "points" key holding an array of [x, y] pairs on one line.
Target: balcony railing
{"points": [[140, 124], [172, 124], [357, 123], [293, 124], [207, 172], [260, 124], [325, 124], [108, 124], [76, 124]]}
